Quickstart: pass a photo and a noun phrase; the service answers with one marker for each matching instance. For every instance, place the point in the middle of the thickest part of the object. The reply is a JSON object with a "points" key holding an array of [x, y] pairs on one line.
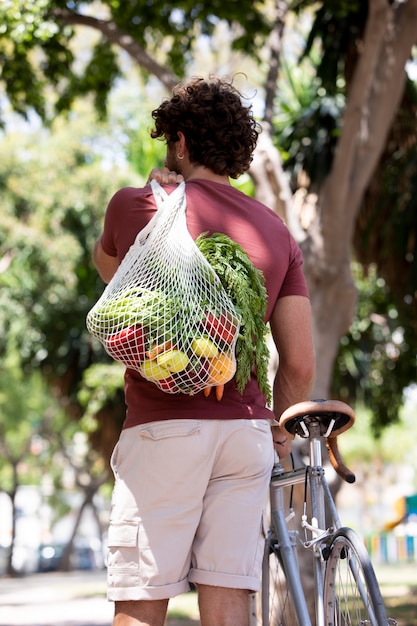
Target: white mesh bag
{"points": [[165, 312]]}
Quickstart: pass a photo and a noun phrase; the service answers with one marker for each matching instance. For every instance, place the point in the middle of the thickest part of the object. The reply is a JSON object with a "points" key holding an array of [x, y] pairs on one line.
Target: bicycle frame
{"points": [[320, 497]]}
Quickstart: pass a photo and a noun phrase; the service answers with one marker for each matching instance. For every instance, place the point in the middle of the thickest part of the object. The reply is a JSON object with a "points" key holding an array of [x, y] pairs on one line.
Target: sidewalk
{"points": [[55, 599]]}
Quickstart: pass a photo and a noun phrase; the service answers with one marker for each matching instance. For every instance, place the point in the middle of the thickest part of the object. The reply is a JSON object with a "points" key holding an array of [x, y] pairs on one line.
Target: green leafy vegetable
{"points": [[245, 286]]}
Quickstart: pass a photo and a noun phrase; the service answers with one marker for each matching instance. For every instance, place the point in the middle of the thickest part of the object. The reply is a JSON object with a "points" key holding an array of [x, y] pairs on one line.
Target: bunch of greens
{"points": [[136, 305], [245, 286]]}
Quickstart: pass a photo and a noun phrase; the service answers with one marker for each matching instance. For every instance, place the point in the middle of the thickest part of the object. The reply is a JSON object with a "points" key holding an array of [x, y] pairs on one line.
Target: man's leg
{"points": [[140, 613], [220, 606]]}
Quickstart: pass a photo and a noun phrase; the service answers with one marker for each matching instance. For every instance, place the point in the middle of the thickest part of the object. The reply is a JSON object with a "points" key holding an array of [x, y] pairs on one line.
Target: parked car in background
{"points": [[86, 555]]}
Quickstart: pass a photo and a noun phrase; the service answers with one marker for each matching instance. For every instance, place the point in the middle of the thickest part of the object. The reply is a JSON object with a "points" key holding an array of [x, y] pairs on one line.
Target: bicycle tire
{"points": [[351, 591], [275, 606]]}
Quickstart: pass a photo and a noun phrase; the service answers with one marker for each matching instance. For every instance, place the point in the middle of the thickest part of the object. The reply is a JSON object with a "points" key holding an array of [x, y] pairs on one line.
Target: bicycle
{"points": [[346, 590]]}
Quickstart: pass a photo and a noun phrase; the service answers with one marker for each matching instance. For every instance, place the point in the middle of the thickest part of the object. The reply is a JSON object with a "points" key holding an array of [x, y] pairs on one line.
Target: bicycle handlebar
{"points": [[337, 461]]}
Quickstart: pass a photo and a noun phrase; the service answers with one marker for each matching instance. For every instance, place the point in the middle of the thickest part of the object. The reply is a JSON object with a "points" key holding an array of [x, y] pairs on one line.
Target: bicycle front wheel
{"points": [[276, 604], [351, 591]]}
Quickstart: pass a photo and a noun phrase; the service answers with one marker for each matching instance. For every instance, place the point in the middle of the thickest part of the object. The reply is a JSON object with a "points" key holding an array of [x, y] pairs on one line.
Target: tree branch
{"points": [[111, 32], [275, 47]]}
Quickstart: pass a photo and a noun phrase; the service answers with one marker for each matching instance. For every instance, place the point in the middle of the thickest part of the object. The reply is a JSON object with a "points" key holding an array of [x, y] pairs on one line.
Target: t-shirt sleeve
{"points": [[294, 283], [112, 216], [128, 211]]}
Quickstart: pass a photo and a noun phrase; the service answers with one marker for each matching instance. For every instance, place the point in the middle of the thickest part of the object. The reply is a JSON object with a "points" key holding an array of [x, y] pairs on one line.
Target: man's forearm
{"points": [[290, 389]]}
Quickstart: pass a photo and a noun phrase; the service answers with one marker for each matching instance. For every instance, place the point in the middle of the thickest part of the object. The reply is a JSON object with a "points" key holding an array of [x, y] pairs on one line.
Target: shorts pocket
{"points": [[122, 558], [123, 534], [171, 428]]}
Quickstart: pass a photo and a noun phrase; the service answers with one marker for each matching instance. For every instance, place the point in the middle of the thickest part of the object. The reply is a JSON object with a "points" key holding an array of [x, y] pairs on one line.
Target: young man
{"points": [[192, 473]]}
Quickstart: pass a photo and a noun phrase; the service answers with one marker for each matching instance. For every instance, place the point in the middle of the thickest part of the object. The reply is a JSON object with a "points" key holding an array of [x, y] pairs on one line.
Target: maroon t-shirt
{"points": [[211, 207]]}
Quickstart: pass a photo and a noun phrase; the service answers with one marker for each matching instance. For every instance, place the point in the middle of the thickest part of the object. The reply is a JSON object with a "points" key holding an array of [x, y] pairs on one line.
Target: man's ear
{"points": [[182, 143]]}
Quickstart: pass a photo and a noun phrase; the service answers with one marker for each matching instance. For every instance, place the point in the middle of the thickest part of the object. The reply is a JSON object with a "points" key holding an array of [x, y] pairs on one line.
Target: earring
{"points": [[180, 156]]}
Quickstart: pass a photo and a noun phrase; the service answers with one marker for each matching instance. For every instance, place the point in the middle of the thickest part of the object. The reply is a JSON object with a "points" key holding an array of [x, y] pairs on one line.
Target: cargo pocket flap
{"points": [[123, 534]]}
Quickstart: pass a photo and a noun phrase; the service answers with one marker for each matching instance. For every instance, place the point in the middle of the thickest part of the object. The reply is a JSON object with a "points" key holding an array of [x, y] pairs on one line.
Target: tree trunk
{"points": [[12, 495], [89, 493]]}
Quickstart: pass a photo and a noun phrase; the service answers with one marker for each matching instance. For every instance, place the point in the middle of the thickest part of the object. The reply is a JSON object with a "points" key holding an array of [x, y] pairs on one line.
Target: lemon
{"points": [[204, 347], [173, 360], [153, 371]]}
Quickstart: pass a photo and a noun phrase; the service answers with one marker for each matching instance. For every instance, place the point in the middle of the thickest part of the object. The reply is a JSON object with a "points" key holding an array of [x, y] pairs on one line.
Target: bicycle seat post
{"points": [[316, 475], [316, 459]]}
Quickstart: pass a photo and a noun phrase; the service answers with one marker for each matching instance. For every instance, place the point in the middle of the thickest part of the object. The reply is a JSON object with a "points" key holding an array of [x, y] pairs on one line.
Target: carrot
{"points": [[157, 349], [219, 392], [207, 391]]}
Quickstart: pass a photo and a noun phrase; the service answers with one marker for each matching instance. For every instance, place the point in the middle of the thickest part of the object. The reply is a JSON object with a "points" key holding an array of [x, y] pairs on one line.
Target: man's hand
{"points": [[282, 442], [164, 176]]}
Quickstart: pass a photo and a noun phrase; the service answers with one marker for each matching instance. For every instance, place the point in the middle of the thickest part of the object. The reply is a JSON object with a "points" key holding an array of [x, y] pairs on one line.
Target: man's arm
{"points": [[106, 265], [291, 330]]}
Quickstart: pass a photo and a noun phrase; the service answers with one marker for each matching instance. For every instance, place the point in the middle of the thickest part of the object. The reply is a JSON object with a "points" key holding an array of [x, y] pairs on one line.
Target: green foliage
{"points": [[307, 124], [377, 358], [396, 444], [245, 184], [38, 44], [142, 152], [93, 395], [101, 71]]}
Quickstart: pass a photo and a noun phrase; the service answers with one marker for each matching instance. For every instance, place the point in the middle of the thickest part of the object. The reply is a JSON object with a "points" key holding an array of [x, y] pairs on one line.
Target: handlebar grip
{"points": [[337, 461]]}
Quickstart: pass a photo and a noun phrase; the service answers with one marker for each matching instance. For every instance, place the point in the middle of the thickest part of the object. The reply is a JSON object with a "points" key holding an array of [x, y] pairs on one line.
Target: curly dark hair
{"points": [[220, 132]]}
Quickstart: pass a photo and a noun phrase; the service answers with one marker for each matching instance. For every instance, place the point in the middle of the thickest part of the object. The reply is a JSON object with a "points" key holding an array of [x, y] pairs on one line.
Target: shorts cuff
{"points": [[162, 592], [219, 579]]}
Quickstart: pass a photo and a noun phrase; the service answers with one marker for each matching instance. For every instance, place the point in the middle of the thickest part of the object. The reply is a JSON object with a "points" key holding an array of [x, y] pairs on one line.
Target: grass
{"points": [[399, 589], [183, 610]]}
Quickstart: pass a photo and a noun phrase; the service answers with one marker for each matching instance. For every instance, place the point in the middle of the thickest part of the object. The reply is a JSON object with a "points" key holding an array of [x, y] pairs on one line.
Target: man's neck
{"points": [[203, 173]]}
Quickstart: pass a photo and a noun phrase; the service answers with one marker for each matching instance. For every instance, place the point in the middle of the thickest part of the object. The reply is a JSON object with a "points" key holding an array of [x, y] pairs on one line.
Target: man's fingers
{"points": [[164, 176]]}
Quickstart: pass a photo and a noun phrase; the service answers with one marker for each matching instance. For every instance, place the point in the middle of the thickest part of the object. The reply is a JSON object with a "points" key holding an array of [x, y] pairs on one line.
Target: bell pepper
{"points": [[127, 345]]}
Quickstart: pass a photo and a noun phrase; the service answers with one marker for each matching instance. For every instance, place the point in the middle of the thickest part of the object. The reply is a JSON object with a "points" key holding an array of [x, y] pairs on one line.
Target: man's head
{"points": [[219, 131]]}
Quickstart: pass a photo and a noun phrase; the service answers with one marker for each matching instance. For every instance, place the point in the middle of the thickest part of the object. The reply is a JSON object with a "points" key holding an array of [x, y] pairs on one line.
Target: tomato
{"points": [[220, 327], [128, 345]]}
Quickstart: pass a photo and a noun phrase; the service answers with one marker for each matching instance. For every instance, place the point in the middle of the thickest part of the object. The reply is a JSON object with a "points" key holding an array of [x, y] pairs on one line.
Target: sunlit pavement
{"points": [[58, 599]]}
